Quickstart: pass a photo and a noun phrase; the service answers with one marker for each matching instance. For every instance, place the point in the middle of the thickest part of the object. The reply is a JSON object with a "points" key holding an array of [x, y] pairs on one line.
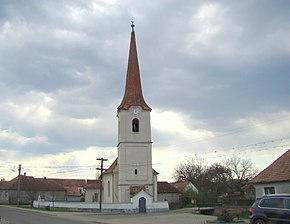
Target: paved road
{"points": [[12, 215], [26, 216]]}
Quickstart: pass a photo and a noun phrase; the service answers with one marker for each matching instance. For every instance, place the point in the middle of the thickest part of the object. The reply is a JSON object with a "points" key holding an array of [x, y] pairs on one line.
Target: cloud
{"points": [[215, 74], [12, 137], [78, 163], [266, 125], [179, 125]]}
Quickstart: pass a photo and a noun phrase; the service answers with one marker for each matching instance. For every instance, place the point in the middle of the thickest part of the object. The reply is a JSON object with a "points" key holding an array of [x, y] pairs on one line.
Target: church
{"points": [[130, 183], [131, 178]]}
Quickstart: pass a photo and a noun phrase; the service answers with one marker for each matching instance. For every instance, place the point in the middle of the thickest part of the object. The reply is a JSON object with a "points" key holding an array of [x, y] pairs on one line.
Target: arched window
{"points": [[135, 125]]}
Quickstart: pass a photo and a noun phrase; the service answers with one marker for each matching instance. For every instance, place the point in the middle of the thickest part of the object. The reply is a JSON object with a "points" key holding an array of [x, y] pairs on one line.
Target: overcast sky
{"points": [[215, 73]]}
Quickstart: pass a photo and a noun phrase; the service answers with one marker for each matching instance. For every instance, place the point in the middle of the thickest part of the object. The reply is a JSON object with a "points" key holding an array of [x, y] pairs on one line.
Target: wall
{"points": [[4, 197], [125, 133], [26, 197], [108, 198], [280, 188], [73, 198], [170, 197], [132, 207], [90, 195], [81, 206]]}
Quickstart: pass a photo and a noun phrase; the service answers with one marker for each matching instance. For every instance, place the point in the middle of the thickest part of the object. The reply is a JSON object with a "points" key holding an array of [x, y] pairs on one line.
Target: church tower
{"points": [[134, 134]]}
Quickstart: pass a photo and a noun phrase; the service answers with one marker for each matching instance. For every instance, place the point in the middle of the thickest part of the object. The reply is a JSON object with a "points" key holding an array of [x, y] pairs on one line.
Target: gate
{"points": [[142, 205]]}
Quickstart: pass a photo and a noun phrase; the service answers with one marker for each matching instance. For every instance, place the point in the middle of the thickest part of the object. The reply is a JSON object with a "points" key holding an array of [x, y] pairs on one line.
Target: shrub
{"points": [[225, 217]]}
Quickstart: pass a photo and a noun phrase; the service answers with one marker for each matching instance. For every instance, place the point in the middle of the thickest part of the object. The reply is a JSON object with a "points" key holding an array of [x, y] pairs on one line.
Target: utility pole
{"points": [[18, 185], [101, 180]]}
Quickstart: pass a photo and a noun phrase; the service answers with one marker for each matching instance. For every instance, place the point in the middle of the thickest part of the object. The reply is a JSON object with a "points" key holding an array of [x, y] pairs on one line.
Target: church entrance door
{"points": [[142, 205]]}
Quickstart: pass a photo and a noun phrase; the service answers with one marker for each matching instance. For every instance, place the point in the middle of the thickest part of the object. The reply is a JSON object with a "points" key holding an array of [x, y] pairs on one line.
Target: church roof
{"points": [[133, 90], [136, 189], [114, 165], [278, 171]]}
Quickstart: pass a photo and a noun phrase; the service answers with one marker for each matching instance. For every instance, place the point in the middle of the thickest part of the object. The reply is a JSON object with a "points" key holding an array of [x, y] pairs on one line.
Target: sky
{"points": [[215, 73]]}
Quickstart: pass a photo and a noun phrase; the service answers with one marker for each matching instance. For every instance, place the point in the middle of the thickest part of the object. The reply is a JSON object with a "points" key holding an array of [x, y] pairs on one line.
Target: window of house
{"points": [[135, 125], [109, 188], [269, 190], [136, 171], [95, 197]]}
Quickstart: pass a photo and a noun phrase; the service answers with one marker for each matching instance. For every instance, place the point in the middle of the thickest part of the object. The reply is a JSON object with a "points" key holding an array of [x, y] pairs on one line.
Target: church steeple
{"points": [[133, 91]]}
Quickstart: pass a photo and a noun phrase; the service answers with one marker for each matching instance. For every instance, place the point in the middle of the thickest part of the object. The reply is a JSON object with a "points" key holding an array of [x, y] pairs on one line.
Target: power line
{"points": [[259, 146], [236, 130]]}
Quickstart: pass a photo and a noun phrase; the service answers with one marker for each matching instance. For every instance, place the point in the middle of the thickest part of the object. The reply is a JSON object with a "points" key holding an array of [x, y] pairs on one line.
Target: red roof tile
{"points": [[133, 90], [136, 189], [4, 185], [278, 171], [29, 183], [93, 184], [112, 167], [70, 182], [165, 187], [180, 185], [72, 186]]}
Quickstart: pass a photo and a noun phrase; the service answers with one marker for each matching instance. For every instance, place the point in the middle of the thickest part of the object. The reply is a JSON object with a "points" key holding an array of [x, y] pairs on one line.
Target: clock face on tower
{"points": [[136, 110]]}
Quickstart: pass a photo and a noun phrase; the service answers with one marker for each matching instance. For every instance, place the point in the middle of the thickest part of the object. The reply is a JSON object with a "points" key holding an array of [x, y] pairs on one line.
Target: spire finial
{"points": [[132, 25]]}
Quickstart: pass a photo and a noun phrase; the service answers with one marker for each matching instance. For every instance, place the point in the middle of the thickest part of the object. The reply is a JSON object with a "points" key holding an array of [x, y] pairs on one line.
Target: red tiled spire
{"points": [[133, 90]]}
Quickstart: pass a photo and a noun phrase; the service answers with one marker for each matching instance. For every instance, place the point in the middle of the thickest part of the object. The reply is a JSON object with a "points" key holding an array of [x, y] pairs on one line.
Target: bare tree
{"points": [[218, 176], [217, 179], [193, 170], [241, 170]]}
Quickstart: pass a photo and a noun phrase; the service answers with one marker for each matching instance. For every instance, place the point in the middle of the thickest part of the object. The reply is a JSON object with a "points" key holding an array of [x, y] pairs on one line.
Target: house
{"points": [[185, 186], [92, 191], [188, 191], [80, 190], [28, 188], [166, 192], [49, 189], [4, 195], [74, 188], [275, 179]]}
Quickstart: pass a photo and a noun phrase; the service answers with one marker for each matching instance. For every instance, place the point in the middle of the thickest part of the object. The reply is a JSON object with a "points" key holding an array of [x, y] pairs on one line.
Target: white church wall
{"points": [[116, 207], [135, 169], [108, 188], [125, 126], [155, 190]]}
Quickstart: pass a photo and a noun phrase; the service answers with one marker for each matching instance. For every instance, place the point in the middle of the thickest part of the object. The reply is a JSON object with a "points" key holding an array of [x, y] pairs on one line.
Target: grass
{"points": [[245, 214]]}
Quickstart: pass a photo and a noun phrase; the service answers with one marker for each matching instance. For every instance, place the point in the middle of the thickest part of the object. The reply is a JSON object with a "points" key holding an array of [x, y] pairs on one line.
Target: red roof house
{"points": [[166, 192], [29, 188], [275, 179]]}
